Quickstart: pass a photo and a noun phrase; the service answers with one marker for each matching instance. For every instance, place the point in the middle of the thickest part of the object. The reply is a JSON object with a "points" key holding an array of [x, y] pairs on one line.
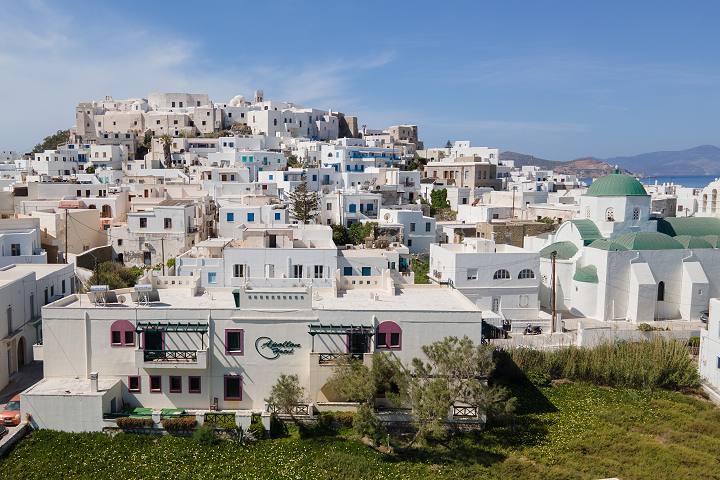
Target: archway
{"points": [[21, 353]]}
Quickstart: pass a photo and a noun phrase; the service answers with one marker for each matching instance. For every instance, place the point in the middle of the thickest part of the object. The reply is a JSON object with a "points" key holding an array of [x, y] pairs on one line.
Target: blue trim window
{"points": [[369, 207], [251, 217], [352, 208], [365, 271], [230, 216], [277, 215], [347, 271], [212, 278]]}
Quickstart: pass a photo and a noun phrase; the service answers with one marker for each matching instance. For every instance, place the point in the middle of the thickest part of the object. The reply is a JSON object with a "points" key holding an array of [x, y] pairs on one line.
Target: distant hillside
{"points": [[522, 159], [702, 160], [582, 167]]}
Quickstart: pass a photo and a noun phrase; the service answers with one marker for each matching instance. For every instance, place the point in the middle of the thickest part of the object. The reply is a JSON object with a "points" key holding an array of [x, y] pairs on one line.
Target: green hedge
{"points": [[656, 363], [133, 423], [179, 424]]}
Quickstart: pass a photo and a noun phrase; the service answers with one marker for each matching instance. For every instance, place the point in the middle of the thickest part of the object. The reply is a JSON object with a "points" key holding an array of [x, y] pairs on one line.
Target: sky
{"points": [[556, 79]]}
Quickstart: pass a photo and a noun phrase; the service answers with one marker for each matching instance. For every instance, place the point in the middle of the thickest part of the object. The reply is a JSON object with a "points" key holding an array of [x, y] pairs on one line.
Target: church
{"points": [[619, 262]]}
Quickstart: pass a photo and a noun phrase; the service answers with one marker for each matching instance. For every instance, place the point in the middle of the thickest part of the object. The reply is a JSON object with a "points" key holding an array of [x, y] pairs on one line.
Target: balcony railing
{"points": [[464, 412], [330, 358], [170, 355]]}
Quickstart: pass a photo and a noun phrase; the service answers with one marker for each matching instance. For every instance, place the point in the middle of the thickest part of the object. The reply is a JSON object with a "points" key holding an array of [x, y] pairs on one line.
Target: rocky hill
{"points": [[582, 167]]}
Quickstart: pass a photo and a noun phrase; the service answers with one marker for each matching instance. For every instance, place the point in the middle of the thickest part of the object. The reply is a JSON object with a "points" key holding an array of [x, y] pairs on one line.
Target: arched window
{"points": [[636, 213], [526, 273], [501, 274], [388, 336], [122, 334], [661, 292], [610, 214]]}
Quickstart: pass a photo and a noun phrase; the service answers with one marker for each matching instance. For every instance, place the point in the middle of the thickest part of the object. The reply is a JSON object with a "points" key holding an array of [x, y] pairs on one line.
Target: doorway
{"points": [[153, 340], [21, 353], [358, 343]]}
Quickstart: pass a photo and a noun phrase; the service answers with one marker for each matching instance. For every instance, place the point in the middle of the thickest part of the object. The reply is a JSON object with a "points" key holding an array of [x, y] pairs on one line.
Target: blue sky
{"points": [[558, 79]]}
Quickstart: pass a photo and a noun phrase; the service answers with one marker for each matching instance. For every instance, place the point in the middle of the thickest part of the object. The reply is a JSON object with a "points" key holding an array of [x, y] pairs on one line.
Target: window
{"points": [[277, 215], [661, 292], [175, 384], [143, 222], [501, 274], [230, 216], [134, 384], [636, 213], [62, 285], [427, 226], [234, 341], [212, 278], [610, 214], [328, 206], [352, 208], [119, 242], [250, 217], [238, 270], [472, 273], [409, 243], [155, 383], [122, 334], [526, 273], [297, 271], [523, 301], [347, 271], [15, 249], [388, 336], [366, 271], [412, 227], [194, 384], [233, 387], [168, 223], [318, 271]]}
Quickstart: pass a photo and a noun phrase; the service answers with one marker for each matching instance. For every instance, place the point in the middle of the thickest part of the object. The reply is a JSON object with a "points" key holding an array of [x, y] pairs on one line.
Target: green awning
{"points": [[319, 328], [172, 327]]}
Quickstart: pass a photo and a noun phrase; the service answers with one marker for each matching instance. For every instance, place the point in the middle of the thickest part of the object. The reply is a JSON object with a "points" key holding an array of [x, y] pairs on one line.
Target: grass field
{"points": [[567, 431]]}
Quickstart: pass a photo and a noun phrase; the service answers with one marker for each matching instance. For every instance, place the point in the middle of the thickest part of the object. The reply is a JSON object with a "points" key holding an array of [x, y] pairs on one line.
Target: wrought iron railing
{"points": [[170, 355], [464, 412], [326, 358], [297, 409]]}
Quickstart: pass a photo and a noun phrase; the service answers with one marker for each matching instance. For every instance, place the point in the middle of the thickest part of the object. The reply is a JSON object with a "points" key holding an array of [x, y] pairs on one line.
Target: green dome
{"points": [[647, 241], [695, 242], [587, 274], [616, 185], [565, 250]]}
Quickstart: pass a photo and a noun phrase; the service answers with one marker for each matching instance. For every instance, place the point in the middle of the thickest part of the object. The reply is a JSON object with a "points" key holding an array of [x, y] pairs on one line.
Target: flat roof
{"points": [[70, 386], [41, 270], [407, 298]]}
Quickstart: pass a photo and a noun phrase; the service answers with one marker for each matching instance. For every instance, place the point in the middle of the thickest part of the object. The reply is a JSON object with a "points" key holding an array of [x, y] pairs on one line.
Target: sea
{"points": [[691, 181]]}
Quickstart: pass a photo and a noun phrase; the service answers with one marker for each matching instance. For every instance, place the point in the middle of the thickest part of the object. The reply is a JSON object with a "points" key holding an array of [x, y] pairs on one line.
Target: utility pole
{"points": [[66, 236], [512, 214], [162, 250], [553, 304]]}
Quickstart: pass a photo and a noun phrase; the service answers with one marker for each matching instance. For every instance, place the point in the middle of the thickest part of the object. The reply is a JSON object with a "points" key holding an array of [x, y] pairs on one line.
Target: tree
{"points": [[51, 142], [448, 144], [238, 128], [340, 235], [285, 394], [456, 372], [438, 199], [90, 169], [304, 204], [359, 232], [115, 275], [166, 141], [293, 162]]}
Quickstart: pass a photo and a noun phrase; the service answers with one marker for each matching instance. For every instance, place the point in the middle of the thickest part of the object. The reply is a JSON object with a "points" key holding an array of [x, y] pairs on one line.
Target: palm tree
{"points": [[166, 141]]}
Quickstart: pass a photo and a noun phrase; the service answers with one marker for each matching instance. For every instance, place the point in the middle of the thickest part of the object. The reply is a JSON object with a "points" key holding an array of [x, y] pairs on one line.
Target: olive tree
{"points": [[285, 394]]}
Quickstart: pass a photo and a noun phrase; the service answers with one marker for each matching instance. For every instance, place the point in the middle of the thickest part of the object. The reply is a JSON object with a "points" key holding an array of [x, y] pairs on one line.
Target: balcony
{"points": [[185, 359]]}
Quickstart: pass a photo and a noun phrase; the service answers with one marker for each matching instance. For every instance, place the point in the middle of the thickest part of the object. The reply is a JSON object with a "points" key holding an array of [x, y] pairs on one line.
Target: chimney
{"points": [[93, 382]]}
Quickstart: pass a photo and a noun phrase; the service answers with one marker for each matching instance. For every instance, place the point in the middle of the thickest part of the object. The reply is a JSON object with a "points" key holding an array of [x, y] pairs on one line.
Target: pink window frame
{"points": [[199, 390], [170, 387], [389, 327], [139, 379], [122, 326], [242, 341], [159, 390], [225, 382]]}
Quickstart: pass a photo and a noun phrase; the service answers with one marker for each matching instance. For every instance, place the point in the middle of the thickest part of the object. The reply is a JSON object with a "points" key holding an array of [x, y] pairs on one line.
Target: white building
{"points": [[501, 278], [417, 231]]}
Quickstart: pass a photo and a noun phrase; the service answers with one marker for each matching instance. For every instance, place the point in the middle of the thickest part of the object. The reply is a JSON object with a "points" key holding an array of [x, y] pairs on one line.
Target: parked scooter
{"points": [[532, 330]]}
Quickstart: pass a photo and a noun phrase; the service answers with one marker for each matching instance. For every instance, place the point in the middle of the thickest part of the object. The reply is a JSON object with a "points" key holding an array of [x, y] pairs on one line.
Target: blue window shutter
{"points": [[365, 271], [230, 217], [277, 215], [347, 271], [251, 217]]}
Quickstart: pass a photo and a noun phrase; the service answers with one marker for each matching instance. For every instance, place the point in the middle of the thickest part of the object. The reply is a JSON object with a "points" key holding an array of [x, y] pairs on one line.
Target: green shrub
{"points": [[693, 342], [133, 423], [656, 363], [278, 428], [178, 424], [205, 435], [256, 428], [344, 419]]}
